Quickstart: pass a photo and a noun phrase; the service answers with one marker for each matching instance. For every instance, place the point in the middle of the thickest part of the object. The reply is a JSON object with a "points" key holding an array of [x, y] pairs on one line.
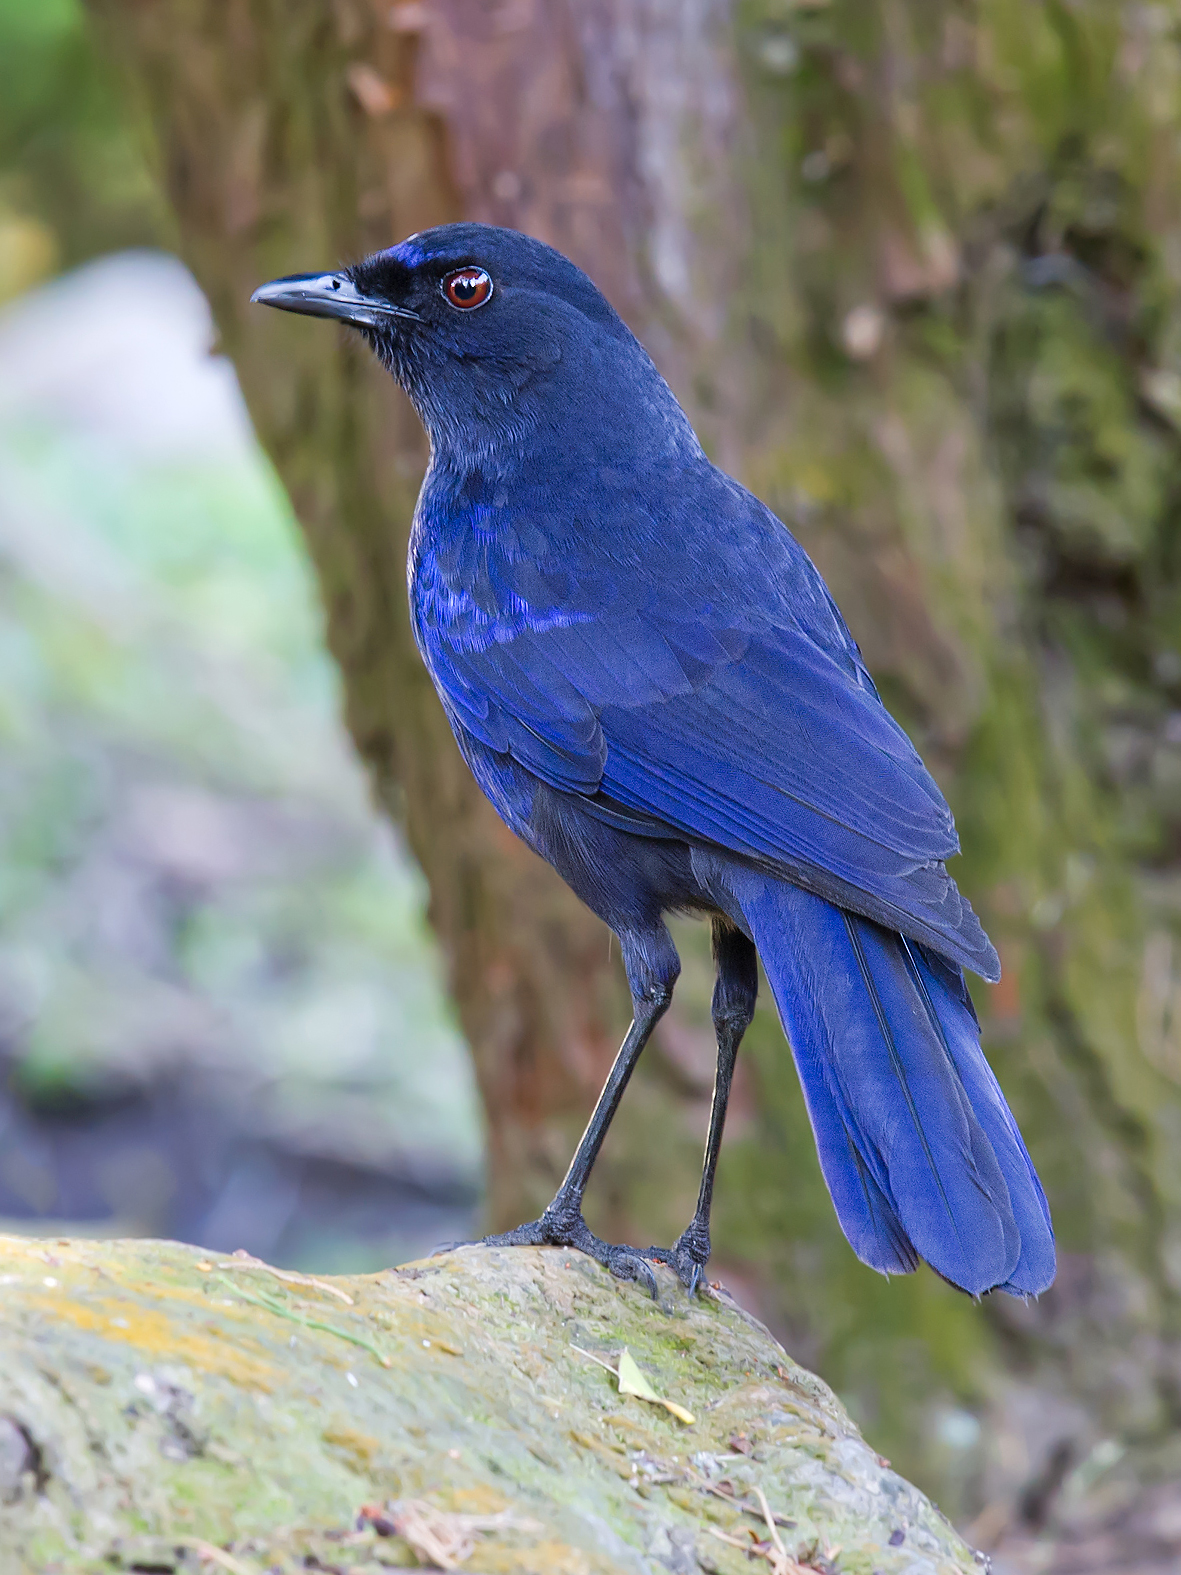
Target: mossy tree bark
{"points": [[914, 269]]}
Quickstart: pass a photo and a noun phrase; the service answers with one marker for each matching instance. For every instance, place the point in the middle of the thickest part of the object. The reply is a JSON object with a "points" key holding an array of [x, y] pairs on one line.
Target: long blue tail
{"points": [[919, 1149]]}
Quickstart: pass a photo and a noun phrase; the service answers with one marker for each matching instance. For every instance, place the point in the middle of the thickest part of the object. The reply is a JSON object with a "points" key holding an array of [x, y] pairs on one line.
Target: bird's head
{"points": [[490, 332]]}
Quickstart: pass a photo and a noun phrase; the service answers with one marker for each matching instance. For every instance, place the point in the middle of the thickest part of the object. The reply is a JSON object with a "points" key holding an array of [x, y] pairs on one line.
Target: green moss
{"points": [[212, 1421], [993, 497]]}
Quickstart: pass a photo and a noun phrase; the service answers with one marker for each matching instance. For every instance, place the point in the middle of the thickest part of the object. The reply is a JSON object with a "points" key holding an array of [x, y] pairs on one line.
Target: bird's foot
{"points": [[688, 1256], [565, 1227]]}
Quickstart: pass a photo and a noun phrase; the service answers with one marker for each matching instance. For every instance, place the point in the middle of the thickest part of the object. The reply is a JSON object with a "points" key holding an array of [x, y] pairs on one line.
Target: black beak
{"points": [[330, 295]]}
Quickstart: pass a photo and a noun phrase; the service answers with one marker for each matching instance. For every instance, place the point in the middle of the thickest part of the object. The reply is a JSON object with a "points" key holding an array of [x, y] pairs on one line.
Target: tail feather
{"points": [[948, 999], [920, 1152], [863, 1203]]}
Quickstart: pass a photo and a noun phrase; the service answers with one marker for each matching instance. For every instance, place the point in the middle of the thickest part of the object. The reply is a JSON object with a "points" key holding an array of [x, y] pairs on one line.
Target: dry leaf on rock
{"points": [[633, 1381]]}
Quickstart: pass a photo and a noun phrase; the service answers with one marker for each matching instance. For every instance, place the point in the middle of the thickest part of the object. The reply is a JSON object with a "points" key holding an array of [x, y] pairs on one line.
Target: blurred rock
{"points": [[17, 1459], [220, 1010], [120, 350]]}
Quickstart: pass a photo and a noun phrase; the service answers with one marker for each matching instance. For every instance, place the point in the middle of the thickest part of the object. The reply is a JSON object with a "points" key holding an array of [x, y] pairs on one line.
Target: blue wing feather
{"points": [[659, 689]]}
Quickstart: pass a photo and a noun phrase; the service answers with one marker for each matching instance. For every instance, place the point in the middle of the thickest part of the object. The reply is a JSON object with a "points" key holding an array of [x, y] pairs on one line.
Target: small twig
{"points": [[447, 1539], [705, 1486], [614, 1371], [289, 1276], [777, 1557], [724, 1536], [770, 1519], [210, 1554], [307, 1323]]}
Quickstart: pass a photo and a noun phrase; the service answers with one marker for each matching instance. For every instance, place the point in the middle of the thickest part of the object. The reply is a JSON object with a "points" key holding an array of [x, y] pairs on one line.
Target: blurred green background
{"points": [[221, 1015]]}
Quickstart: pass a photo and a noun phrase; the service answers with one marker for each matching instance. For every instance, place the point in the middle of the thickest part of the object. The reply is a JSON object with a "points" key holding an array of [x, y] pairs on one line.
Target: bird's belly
{"points": [[505, 783], [627, 879]]}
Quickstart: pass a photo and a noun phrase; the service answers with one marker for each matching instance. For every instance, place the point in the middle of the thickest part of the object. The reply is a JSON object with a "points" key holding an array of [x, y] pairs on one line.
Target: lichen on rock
{"points": [[164, 1410]]}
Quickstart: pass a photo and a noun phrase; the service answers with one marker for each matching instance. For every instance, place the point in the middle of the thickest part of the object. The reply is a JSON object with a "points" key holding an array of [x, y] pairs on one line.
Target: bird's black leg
{"points": [[652, 970], [734, 999]]}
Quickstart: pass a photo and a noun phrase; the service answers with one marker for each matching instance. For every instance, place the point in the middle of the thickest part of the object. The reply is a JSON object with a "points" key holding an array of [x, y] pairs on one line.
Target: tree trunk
{"points": [[289, 135], [914, 270]]}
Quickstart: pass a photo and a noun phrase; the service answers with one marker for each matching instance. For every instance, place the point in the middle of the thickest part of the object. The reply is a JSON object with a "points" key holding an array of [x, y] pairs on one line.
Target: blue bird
{"points": [[652, 684]]}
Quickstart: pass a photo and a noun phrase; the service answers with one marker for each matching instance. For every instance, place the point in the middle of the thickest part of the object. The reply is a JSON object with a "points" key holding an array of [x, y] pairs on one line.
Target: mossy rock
{"points": [[161, 1409]]}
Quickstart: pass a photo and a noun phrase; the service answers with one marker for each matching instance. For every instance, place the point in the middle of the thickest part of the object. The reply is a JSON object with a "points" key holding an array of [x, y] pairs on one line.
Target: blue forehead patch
{"points": [[413, 253]]}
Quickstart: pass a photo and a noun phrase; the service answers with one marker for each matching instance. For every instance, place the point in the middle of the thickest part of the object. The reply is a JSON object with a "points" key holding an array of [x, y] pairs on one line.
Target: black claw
{"points": [[681, 1258], [630, 1266], [567, 1230]]}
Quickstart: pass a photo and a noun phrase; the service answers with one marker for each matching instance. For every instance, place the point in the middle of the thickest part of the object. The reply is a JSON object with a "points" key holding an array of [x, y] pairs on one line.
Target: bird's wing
{"points": [[779, 754], [769, 745]]}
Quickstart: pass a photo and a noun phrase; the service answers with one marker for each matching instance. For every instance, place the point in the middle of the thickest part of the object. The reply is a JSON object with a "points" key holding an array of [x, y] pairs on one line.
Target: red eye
{"points": [[467, 287]]}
